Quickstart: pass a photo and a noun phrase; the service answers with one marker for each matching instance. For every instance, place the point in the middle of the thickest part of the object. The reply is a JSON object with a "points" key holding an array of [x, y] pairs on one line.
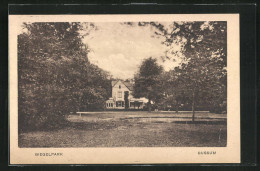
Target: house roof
{"points": [[128, 84], [113, 83]]}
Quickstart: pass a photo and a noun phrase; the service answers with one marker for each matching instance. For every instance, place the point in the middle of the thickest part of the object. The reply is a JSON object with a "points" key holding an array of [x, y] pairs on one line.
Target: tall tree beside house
{"points": [[148, 81], [55, 76], [126, 96]]}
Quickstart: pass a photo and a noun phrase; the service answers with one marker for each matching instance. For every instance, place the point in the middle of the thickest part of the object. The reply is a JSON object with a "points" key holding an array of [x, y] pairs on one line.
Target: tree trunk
{"points": [[149, 106], [177, 107], [193, 106]]}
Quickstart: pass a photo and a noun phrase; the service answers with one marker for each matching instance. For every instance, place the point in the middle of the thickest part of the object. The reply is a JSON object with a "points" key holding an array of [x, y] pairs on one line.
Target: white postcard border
{"points": [[129, 155]]}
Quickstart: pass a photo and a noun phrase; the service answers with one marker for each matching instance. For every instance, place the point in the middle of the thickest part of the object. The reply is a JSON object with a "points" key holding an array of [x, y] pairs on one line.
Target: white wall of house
{"points": [[110, 104], [118, 91]]}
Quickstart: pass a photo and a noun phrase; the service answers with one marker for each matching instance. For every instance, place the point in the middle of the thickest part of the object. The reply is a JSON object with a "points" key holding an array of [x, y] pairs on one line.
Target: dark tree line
{"points": [[55, 76]]}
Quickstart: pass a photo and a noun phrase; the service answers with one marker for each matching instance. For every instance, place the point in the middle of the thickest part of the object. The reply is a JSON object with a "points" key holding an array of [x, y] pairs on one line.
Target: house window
{"points": [[119, 104], [119, 94], [119, 86], [109, 105]]}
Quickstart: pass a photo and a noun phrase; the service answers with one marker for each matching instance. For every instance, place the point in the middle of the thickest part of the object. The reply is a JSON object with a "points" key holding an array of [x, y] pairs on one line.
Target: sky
{"points": [[120, 49]]}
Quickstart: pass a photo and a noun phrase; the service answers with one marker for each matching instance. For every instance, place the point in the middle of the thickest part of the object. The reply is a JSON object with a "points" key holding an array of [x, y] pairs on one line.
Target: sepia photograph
{"points": [[123, 84]]}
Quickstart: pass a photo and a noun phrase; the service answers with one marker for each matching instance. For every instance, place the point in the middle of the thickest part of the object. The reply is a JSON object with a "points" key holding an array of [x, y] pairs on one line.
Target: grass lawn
{"points": [[133, 129]]}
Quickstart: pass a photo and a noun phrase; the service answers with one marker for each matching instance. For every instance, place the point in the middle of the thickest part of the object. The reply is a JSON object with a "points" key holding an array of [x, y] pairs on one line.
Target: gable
{"points": [[120, 83], [127, 84], [123, 84]]}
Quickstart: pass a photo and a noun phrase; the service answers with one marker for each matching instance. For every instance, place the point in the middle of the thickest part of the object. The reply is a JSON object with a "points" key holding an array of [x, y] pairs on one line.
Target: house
{"points": [[122, 97]]}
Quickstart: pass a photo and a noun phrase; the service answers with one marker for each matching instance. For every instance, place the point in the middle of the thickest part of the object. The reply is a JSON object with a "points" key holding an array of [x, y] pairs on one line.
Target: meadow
{"points": [[133, 129]]}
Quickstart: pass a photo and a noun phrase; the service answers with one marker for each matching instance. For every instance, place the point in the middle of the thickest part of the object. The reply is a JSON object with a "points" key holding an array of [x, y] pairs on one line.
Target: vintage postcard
{"points": [[124, 89]]}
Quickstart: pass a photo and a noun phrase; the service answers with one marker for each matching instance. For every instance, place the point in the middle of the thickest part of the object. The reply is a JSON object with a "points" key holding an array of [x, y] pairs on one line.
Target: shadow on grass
{"points": [[92, 125], [167, 117], [202, 122]]}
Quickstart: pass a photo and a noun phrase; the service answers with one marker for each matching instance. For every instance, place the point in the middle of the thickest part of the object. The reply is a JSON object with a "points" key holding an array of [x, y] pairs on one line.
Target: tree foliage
{"points": [[148, 82], [205, 51], [55, 76], [202, 75], [174, 92]]}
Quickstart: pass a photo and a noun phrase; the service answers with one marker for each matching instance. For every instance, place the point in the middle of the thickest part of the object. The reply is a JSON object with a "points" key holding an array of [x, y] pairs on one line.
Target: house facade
{"points": [[122, 97]]}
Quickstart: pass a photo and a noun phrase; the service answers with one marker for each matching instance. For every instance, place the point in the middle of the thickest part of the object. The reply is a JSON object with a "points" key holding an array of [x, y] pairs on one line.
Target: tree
{"points": [[173, 90], [203, 50], [55, 76], [126, 95], [203, 73], [147, 81]]}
